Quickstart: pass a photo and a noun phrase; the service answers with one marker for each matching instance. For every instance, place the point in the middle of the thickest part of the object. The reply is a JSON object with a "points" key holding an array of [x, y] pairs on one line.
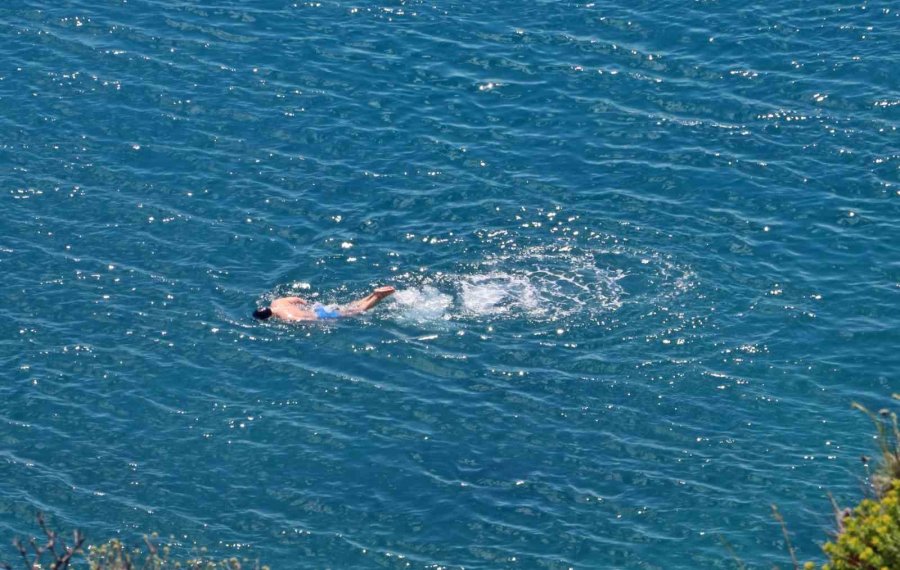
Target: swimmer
{"points": [[293, 309]]}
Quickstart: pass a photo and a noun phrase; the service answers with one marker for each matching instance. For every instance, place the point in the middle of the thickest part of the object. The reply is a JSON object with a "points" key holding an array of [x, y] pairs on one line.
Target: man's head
{"points": [[262, 313]]}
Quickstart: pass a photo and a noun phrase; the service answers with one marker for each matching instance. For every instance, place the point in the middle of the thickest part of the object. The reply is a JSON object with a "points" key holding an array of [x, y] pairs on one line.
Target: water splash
{"points": [[425, 304], [577, 281], [541, 284], [498, 293]]}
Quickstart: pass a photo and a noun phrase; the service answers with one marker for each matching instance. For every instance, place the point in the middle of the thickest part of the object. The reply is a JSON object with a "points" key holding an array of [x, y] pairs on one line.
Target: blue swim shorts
{"points": [[323, 312]]}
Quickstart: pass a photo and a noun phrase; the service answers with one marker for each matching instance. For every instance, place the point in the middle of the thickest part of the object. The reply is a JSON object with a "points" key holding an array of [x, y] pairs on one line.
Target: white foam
{"points": [[535, 294], [425, 304], [497, 293], [545, 283]]}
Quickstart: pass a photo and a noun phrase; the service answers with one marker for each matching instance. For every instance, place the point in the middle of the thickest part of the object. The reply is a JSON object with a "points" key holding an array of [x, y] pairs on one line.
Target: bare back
{"points": [[292, 309]]}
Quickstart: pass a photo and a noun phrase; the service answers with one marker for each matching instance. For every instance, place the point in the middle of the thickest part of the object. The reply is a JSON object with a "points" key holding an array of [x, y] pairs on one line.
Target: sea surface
{"points": [[647, 254]]}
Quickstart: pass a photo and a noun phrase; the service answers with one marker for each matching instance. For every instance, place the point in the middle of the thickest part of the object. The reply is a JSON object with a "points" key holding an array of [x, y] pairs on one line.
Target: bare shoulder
{"points": [[284, 301], [289, 310]]}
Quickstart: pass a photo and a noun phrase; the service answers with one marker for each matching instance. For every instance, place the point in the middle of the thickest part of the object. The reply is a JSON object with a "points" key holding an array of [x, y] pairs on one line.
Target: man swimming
{"points": [[293, 309]]}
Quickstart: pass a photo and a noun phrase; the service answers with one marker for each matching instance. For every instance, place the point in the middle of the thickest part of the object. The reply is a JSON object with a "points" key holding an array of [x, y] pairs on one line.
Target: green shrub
{"points": [[871, 536], [114, 555], [53, 553]]}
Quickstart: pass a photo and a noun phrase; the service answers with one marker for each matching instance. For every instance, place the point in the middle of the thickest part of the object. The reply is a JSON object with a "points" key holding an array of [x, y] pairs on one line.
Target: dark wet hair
{"points": [[262, 314]]}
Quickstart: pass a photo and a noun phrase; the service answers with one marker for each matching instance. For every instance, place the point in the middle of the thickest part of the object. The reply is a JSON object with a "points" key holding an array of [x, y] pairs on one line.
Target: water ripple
{"points": [[645, 258]]}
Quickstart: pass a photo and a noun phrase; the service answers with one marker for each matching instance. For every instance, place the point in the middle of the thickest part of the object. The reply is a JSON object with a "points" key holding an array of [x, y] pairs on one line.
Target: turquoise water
{"points": [[646, 256]]}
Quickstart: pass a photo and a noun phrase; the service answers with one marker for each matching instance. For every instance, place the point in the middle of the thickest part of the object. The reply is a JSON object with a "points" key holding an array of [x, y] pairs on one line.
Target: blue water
{"points": [[646, 254]]}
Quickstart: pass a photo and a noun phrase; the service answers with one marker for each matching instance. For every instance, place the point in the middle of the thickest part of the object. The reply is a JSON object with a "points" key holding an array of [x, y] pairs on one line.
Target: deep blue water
{"points": [[647, 255]]}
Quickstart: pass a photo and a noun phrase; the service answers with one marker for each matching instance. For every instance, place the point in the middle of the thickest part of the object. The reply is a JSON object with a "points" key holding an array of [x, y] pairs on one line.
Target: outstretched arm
{"points": [[368, 301]]}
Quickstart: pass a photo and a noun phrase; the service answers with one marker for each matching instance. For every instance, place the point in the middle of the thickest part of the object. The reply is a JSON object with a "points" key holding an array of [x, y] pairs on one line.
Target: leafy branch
{"points": [[52, 545]]}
